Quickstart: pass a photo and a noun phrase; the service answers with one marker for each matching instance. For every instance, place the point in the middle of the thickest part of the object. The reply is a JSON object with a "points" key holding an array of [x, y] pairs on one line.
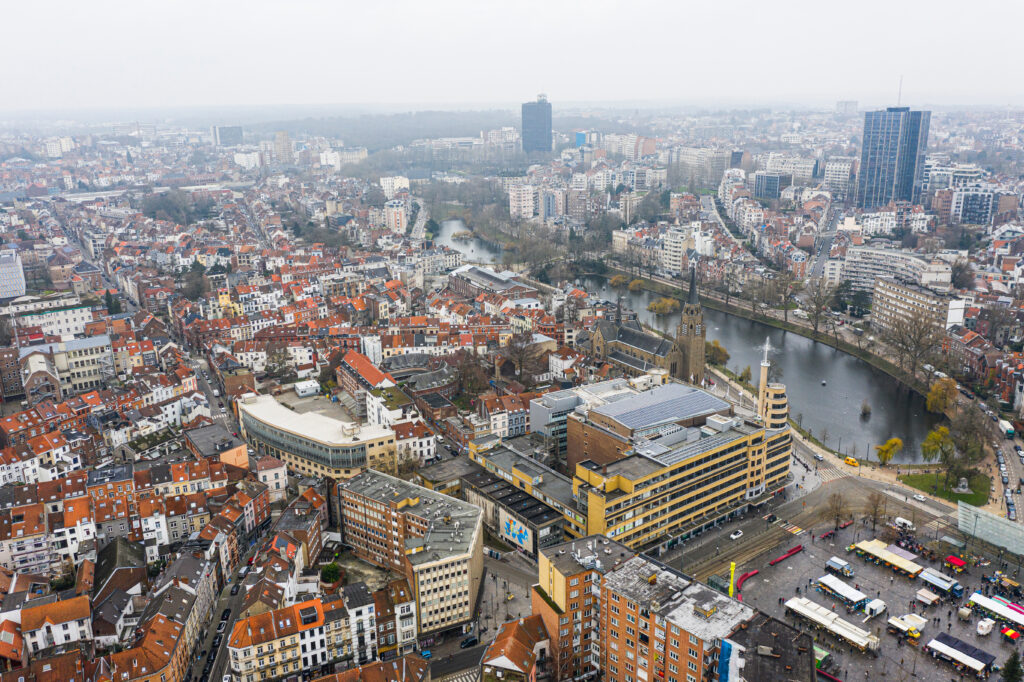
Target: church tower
{"points": [[690, 335]]}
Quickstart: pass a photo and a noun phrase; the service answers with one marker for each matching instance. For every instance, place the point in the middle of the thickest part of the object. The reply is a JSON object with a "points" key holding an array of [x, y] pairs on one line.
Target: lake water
{"points": [[832, 409], [474, 250]]}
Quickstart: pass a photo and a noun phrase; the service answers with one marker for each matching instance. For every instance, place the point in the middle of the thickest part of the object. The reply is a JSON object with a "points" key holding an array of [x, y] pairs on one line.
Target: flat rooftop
{"points": [[551, 487], [448, 469], [783, 658], [310, 426], [594, 552], [698, 609], [662, 405], [392, 396], [212, 440], [514, 500], [453, 524]]}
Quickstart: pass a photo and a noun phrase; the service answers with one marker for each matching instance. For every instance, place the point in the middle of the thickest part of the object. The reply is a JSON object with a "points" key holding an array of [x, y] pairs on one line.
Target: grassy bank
{"points": [[980, 485]]}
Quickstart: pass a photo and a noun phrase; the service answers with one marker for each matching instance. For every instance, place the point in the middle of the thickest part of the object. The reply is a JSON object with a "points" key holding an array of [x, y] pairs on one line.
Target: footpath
{"points": [[875, 472]]}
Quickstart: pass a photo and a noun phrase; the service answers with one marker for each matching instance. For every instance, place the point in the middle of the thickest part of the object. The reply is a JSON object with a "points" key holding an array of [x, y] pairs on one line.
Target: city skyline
{"points": [[215, 62]]}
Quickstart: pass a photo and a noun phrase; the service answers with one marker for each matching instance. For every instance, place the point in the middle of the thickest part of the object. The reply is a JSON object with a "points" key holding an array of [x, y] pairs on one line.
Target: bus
{"points": [[1006, 427], [822, 658], [941, 583], [960, 654], [825, 619]]}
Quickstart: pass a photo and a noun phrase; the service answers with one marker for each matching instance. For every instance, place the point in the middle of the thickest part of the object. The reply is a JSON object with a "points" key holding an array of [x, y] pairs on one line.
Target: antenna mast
{"points": [[899, 93]]}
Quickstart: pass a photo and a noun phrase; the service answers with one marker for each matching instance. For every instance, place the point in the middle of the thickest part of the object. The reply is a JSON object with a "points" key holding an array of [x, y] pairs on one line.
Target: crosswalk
{"points": [[462, 676], [827, 474], [788, 527]]}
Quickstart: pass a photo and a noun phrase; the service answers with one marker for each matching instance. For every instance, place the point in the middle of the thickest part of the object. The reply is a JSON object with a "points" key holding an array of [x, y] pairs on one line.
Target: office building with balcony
{"points": [[313, 444]]}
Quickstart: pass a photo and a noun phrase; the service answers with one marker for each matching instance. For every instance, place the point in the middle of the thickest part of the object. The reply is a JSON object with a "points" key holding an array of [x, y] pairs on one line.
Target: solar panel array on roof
{"points": [[670, 402]]}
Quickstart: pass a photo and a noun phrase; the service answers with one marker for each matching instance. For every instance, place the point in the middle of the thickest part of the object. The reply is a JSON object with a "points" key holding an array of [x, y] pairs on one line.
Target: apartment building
{"points": [[81, 364], [56, 623], [308, 637], [567, 597], [522, 201], [64, 322], [313, 444], [434, 541], [660, 624], [895, 302], [863, 265]]}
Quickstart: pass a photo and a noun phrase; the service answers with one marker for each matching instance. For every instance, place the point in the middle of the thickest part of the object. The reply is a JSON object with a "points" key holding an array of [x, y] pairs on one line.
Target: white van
{"points": [[903, 524]]}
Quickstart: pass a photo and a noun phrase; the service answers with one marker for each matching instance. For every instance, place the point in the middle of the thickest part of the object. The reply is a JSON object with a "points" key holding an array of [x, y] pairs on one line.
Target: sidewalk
{"points": [[870, 470]]}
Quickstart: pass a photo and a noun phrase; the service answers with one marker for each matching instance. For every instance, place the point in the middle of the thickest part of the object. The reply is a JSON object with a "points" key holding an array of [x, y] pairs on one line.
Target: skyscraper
{"points": [[892, 156], [537, 125], [283, 148], [226, 136]]}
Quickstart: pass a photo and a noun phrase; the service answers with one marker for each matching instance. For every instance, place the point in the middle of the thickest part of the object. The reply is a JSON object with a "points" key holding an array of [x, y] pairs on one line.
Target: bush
{"points": [[330, 573], [663, 306]]}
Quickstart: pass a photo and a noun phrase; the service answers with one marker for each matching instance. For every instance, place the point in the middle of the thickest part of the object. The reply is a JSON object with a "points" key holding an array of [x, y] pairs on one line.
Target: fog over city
{"points": [[424, 340], [452, 54]]}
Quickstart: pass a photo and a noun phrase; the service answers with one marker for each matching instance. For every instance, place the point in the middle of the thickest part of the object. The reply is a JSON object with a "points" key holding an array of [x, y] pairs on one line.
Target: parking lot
{"points": [[898, 592]]}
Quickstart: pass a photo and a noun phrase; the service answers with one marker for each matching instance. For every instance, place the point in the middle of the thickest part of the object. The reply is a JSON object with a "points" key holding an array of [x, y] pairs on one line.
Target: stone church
{"points": [[636, 351]]}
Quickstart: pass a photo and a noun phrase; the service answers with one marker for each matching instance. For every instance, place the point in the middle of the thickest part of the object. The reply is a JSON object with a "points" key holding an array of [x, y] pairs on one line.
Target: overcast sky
{"points": [[463, 53]]}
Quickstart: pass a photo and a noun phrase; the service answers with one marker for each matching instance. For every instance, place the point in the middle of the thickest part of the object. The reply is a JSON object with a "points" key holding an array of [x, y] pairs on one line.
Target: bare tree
{"points": [[875, 508], [914, 339], [820, 297], [836, 505], [525, 356]]}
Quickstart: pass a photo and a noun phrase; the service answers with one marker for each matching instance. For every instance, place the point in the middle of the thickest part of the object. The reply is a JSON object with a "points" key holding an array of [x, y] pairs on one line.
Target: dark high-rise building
{"points": [[537, 125], [769, 185], [226, 136], [892, 156]]}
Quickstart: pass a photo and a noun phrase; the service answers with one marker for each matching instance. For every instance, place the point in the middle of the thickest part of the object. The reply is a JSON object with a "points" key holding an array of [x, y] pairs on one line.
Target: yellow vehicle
{"points": [[852, 462], [509, 597]]}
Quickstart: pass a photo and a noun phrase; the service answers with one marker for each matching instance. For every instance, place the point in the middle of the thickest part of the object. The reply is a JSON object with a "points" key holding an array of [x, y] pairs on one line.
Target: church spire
{"points": [[693, 297]]}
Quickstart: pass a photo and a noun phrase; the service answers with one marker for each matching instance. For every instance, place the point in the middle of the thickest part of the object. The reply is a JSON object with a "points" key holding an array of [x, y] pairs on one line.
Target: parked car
{"points": [[226, 614], [919, 497], [221, 626], [234, 589], [426, 654], [216, 642], [468, 642]]}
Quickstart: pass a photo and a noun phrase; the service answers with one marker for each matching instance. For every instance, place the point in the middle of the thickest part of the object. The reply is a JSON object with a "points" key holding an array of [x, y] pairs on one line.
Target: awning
{"points": [[1010, 633], [955, 561]]}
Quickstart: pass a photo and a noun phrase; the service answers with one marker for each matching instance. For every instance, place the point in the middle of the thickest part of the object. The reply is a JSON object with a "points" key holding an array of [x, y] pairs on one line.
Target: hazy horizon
{"points": [[460, 55]]}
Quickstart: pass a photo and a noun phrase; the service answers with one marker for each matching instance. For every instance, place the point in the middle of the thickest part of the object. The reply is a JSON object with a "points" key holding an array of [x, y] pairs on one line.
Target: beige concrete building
{"points": [[314, 444], [435, 541], [895, 301]]}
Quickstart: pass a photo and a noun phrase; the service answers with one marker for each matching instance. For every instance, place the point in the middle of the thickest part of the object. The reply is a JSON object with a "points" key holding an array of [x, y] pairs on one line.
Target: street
{"points": [[219, 654]]}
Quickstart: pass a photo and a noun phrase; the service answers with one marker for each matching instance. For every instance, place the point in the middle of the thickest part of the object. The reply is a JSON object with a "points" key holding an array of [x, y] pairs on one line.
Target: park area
{"points": [[934, 484]]}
